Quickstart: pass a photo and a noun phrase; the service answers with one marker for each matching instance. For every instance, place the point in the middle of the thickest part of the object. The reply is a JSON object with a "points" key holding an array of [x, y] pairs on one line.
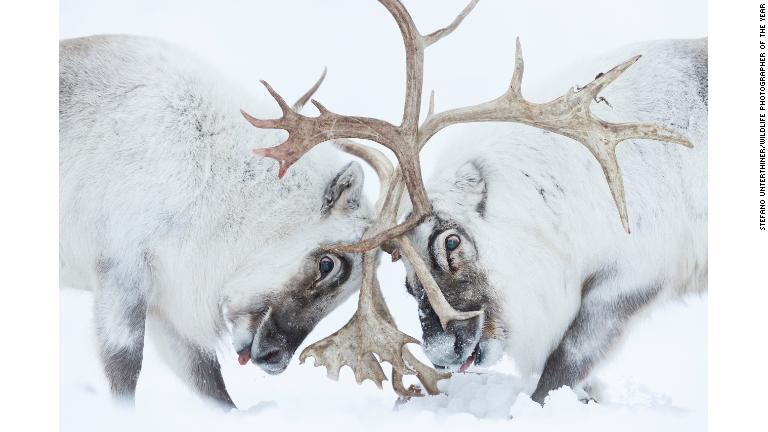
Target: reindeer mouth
{"points": [[244, 356], [474, 358], [264, 344], [272, 361], [252, 335]]}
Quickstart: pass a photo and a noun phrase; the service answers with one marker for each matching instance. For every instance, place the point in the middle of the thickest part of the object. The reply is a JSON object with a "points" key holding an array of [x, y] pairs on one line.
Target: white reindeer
{"points": [[167, 215], [524, 228]]}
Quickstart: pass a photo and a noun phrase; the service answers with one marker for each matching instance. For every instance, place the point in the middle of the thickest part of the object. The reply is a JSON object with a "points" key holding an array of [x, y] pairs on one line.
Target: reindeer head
{"points": [[280, 293], [283, 288], [371, 330], [448, 243]]}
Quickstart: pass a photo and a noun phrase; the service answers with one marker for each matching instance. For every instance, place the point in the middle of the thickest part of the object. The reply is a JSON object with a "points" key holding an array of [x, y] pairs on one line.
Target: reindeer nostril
{"points": [[270, 357], [466, 333]]}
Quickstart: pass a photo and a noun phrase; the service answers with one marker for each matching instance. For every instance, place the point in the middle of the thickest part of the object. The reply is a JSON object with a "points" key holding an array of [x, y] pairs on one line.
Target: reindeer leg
{"points": [[196, 366], [604, 313], [120, 311]]}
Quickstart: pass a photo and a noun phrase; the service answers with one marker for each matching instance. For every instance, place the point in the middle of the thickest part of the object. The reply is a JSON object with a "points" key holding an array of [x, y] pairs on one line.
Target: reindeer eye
{"points": [[452, 242], [325, 265]]}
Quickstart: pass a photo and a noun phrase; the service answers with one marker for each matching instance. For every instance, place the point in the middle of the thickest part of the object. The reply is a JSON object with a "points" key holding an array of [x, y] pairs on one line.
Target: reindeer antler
{"points": [[568, 115], [372, 330], [300, 102], [306, 132]]}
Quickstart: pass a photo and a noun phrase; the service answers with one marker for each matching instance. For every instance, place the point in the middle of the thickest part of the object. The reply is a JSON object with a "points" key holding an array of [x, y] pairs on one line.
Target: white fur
{"points": [[155, 160], [537, 253]]}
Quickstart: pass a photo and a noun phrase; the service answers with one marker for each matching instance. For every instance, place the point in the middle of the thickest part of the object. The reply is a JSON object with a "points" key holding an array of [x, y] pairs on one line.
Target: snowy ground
{"points": [[655, 381]]}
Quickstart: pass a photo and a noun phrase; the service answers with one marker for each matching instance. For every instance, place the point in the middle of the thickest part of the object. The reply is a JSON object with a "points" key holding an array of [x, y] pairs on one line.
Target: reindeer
{"points": [[518, 232], [574, 277], [171, 221]]}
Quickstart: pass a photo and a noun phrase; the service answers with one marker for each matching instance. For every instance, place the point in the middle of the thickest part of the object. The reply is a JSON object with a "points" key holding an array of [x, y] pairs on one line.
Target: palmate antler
{"points": [[372, 329], [568, 115]]}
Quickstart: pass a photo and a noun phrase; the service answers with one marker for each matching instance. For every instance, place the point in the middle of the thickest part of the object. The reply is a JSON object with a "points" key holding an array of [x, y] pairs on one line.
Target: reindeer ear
{"points": [[470, 184], [344, 192]]}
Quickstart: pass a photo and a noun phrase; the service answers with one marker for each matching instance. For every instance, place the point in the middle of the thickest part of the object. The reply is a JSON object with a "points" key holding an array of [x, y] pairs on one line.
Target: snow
{"points": [[655, 381]]}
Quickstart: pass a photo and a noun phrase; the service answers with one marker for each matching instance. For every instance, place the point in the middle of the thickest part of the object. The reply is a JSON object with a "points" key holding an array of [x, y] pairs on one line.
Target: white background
{"points": [[471, 65]]}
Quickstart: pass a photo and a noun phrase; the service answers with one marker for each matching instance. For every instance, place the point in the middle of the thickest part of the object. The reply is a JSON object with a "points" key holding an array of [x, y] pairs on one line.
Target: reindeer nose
{"points": [[451, 347], [271, 357], [466, 333]]}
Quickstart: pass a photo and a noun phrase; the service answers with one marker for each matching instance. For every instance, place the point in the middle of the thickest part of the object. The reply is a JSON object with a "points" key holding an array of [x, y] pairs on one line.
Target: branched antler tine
{"points": [[306, 132], [399, 387], [276, 96], [271, 124], [515, 87], [370, 330], [259, 123], [606, 157], [627, 131], [377, 239], [370, 370], [320, 107], [334, 355], [414, 44], [428, 376], [445, 31], [288, 152], [568, 115], [442, 308], [414, 64], [605, 153], [425, 374], [591, 90], [299, 104], [390, 208], [431, 110]]}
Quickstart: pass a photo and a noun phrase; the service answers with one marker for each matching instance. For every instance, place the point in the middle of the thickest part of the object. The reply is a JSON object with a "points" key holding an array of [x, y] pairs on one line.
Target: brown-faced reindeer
{"points": [[371, 329]]}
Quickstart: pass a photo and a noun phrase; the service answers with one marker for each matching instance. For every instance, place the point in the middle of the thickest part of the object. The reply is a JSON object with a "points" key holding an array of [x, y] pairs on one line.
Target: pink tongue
{"points": [[467, 363], [243, 357]]}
